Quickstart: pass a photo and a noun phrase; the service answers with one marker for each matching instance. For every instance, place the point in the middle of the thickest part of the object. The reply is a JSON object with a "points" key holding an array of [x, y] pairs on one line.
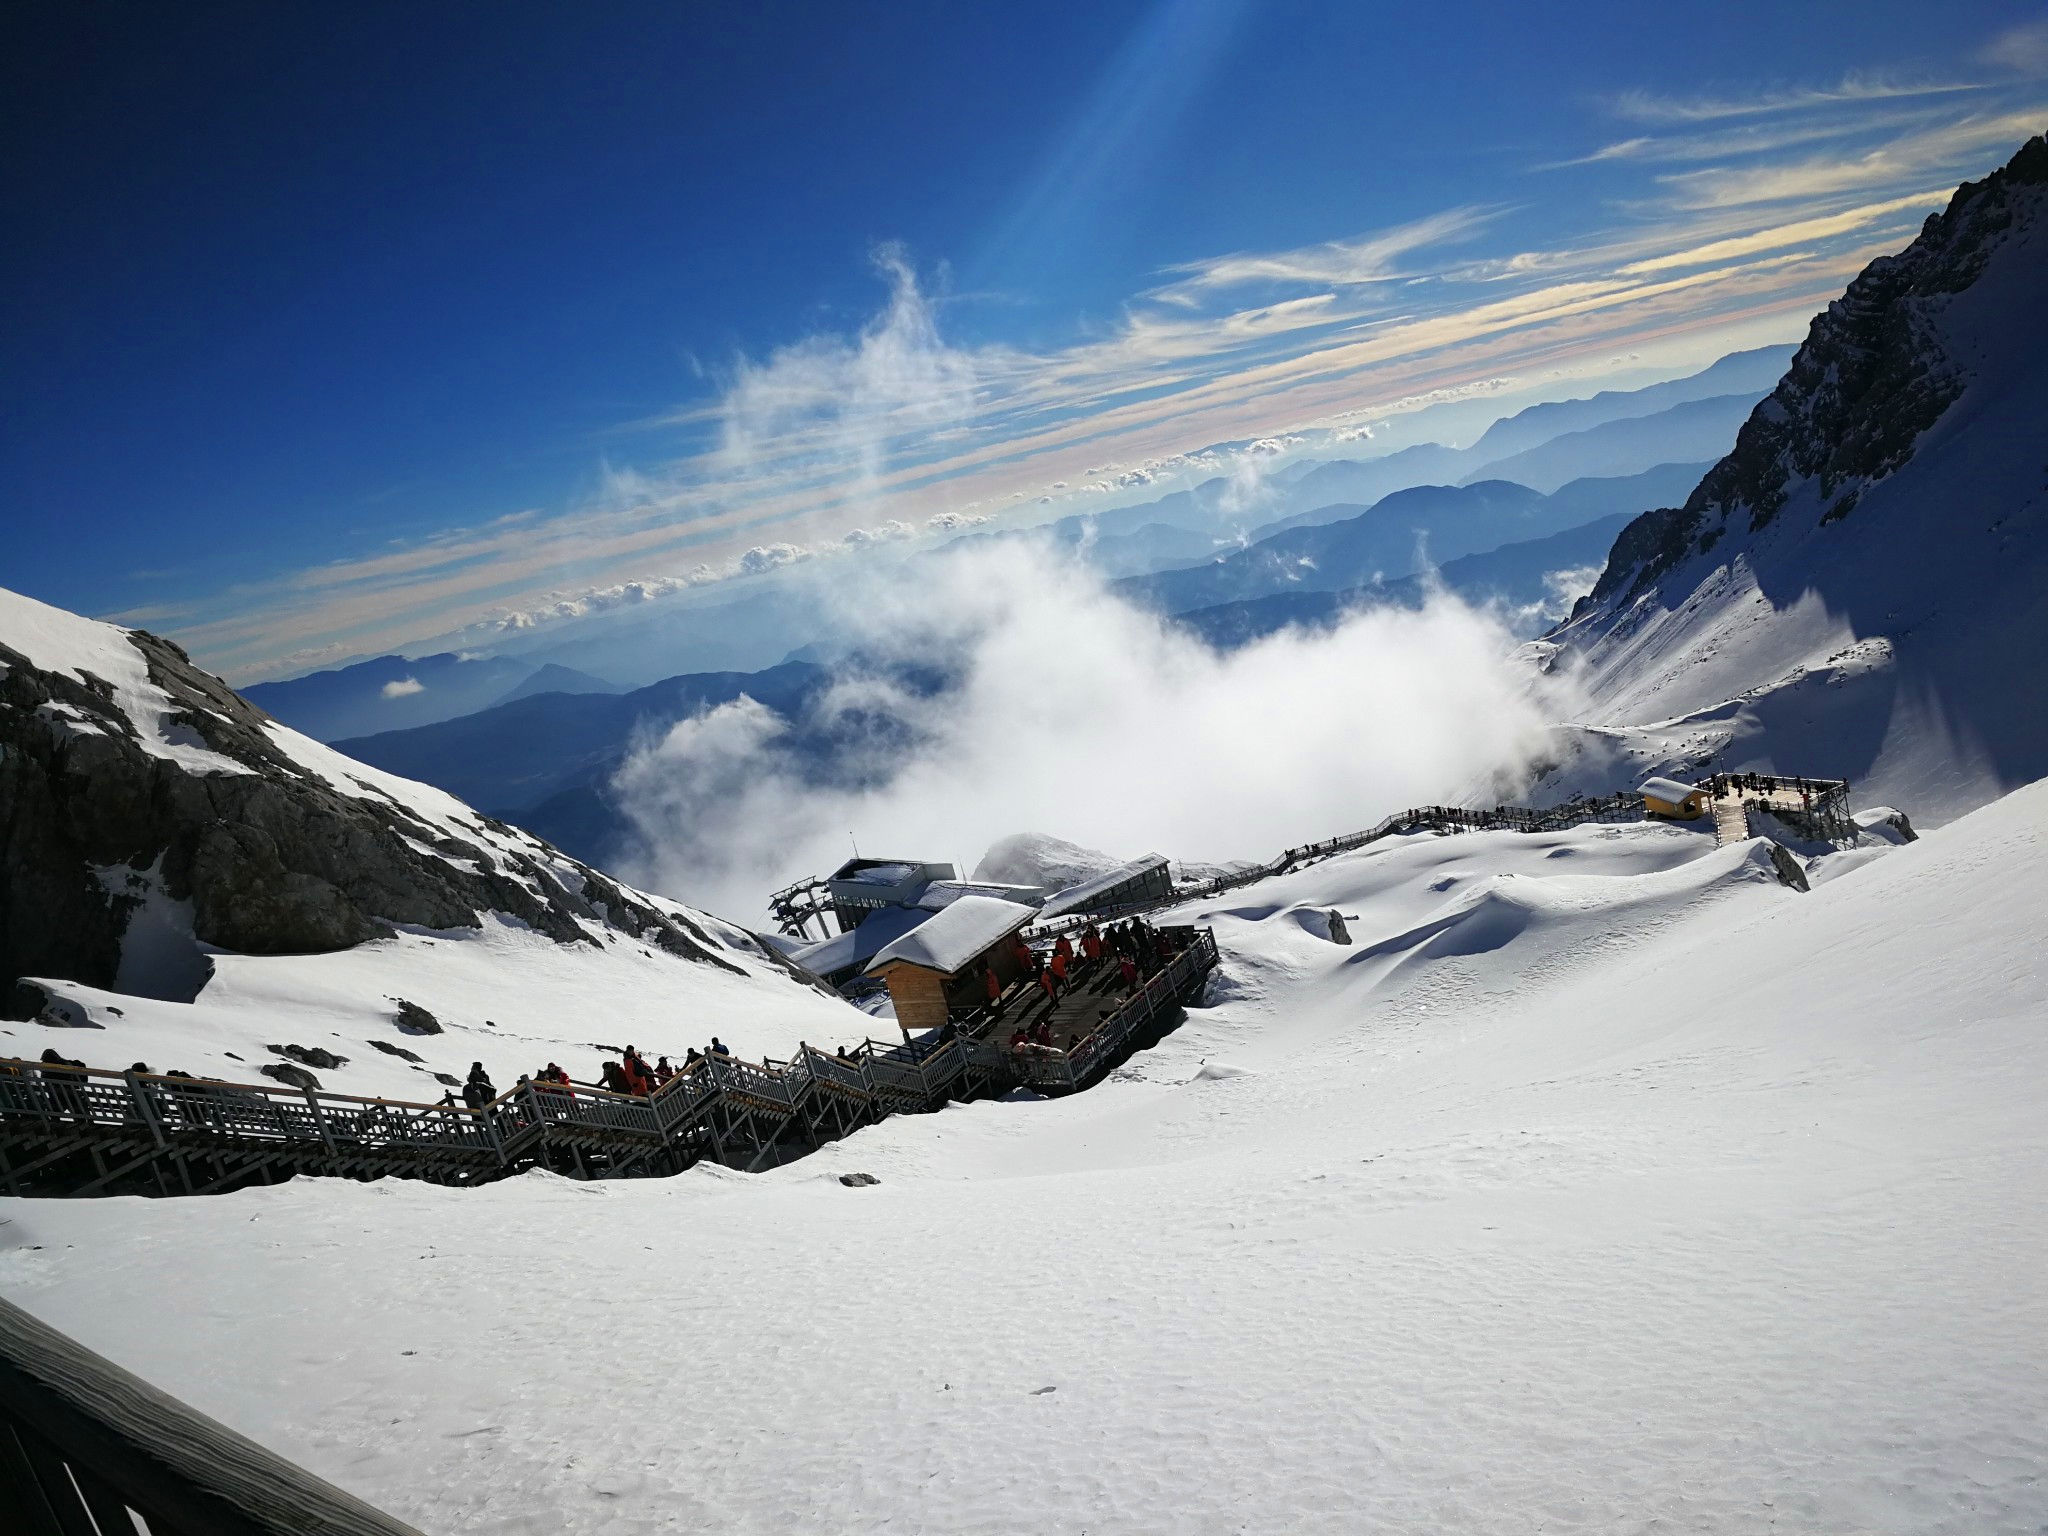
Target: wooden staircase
{"points": [[81, 1131]]}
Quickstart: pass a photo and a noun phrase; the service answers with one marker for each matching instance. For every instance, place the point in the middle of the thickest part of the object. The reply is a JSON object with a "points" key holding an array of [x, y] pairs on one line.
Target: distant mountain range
{"points": [[1674, 423], [391, 693], [1401, 535], [1666, 434], [1753, 373], [514, 756], [1697, 431], [1517, 580]]}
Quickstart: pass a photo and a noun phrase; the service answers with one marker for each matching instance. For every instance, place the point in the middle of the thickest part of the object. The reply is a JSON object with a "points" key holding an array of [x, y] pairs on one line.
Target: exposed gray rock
{"points": [[311, 1056], [1790, 871], [395, 1050], [1869, 381], [284, 1072], [415, 1020], [858, 1180], [29, 1000], [273, 861]]}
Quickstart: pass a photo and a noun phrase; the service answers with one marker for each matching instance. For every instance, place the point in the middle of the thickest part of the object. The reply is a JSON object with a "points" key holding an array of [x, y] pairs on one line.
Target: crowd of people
{"points": [[1765, 784], [1119, 956]]}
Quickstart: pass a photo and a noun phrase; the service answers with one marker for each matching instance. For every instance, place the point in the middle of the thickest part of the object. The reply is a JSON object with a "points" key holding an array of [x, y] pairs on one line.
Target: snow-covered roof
{"points": [[854, 948], [1670, 791], [949, 939], [943, 893], [869, 872], [1075, 897]]}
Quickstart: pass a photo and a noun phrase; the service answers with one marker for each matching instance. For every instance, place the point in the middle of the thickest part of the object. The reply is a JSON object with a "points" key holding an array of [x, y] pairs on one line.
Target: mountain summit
{"points": [[1862, 579], [181, 870]]}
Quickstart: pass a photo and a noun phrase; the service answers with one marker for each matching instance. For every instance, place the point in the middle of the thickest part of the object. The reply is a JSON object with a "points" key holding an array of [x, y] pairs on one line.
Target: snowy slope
{"points": [[1861, 588], [154, 809], [1601, 1183]]}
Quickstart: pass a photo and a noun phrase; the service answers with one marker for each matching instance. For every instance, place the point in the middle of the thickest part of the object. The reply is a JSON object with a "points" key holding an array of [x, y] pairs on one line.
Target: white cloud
{"points": [[835, 405], [2024, 48], [1905, 159], [1373, 258], [403, 688], [1649, 107], [1064, 698]]}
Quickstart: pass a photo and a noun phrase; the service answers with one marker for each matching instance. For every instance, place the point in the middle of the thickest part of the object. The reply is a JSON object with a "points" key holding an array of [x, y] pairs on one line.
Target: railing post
{"points": [[319, 1120], [148, 1110]]}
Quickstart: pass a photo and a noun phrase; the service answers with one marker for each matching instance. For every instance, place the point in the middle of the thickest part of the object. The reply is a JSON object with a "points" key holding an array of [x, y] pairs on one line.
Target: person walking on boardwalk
{"points": [[1049, 983], [638, 1073], [994, 986], [1091, 945], [478, 1092], [1061, 964], [718, 1047], [1127, 968]]}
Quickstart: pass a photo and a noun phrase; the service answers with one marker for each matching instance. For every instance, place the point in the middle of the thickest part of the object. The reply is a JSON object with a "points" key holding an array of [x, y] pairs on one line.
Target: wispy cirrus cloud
{"points": [[1719, 213], [1650, 107], [1374, 258], [2023, 48], [1904, 158]]}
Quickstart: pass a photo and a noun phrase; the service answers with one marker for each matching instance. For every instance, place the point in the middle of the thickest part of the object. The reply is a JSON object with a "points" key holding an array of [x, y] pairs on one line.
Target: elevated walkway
{"points": [[82, 1131]]}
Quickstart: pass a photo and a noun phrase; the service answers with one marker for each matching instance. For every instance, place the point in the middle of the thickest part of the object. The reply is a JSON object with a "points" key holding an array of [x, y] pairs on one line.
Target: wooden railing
{"points": [[1445, 818], [83, 1444], [105, 1130], [1076, 1066]]}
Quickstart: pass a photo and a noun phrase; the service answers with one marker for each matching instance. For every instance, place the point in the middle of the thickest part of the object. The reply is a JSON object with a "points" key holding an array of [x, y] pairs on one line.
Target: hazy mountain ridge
{"points": [[1695, 431], [1514, 579]]}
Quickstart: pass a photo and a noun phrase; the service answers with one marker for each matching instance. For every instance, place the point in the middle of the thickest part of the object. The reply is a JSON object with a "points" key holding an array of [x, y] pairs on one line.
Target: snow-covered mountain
{"points": [[1601, 1183], [1861, 587], [198, 884]]}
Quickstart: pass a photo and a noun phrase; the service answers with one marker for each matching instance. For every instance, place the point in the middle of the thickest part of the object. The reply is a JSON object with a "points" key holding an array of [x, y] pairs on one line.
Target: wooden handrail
{"points": [[352, 1126], [97, 1439]]}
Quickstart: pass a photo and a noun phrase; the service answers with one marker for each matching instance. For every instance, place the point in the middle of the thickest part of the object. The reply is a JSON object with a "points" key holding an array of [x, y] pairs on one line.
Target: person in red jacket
{"points": [[1091, 944], [994, 985], [1128, 968], [1050, 983]]}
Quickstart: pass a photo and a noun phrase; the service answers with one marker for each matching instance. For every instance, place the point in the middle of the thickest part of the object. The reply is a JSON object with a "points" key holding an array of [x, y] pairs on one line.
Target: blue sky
{"points": [[337, 330]]}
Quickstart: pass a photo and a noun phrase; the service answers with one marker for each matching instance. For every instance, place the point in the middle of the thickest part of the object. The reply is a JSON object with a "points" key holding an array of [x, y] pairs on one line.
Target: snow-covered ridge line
{"points": [[119, 754]]}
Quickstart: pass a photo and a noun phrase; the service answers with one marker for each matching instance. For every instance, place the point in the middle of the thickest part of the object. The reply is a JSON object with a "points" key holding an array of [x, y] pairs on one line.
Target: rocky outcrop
{"points": [[267, 852], [1872, 377]]}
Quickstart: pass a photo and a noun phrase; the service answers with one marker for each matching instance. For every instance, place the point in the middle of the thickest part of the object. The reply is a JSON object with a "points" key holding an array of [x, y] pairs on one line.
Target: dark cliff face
{"points": [[273, 861], [1870, 380]]}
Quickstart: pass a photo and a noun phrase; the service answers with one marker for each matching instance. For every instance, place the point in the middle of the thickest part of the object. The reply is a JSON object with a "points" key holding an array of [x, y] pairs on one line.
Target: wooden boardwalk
{"points": [[81, 1131], [1731, 821], [1816, 808]]}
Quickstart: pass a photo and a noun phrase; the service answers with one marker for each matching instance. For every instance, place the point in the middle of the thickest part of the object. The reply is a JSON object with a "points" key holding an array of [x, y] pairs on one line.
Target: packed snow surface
{"points": [[1601, 1183]]}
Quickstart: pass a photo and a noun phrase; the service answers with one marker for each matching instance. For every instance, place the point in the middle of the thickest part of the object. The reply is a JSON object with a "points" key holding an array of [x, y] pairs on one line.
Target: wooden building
{"points": [[1673, 801], [1142, 880], [936, 969]]}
